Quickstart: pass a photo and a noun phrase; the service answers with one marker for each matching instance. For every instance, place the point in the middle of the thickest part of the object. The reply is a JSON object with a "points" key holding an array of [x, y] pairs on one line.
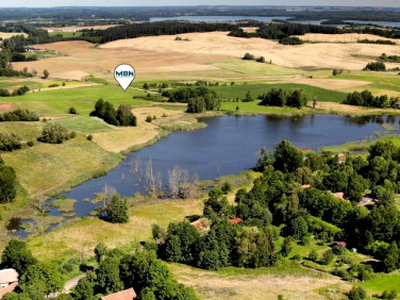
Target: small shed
{"points": [[128, 294]]}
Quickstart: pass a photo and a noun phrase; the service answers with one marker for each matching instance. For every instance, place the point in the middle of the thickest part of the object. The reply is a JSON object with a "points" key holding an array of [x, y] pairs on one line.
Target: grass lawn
{"points": [[43, 54], [45, 169], [107, 92], [13, 84], [56, 102], [231, 92], [66, 34], [377, 77], [64, 205], [85, 234], [382, 282], [252, 67], [288, 279], [254, 108], [85, 124]]}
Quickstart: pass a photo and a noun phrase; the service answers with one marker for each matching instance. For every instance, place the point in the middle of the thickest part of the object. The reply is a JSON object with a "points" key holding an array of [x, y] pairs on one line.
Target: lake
{"points": [[228, 145], [265, 19], [217, 18]]}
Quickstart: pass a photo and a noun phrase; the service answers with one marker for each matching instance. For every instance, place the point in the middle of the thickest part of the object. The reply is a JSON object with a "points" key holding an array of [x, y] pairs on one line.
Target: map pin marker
{"points": [[124, 74]]}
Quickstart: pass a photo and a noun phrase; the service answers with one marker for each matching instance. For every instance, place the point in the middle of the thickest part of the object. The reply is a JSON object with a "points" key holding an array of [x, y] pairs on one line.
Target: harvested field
{"points": [[162, 54], [341, 38], [6, 35], [6, 106], [331, 84], [213, 285]]}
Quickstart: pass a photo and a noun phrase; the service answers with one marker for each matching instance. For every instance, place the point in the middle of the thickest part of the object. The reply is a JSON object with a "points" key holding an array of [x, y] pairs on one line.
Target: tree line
{"points": [[365, 98], [283, 30], [117, 270], [199, 99]]}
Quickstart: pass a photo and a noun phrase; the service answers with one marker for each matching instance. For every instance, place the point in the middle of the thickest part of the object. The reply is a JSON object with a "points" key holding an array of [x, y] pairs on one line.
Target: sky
{"points": [[50, 3]]}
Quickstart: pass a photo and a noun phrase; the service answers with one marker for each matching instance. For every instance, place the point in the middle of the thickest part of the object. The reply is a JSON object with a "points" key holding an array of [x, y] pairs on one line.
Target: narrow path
{"points": [[70, 284]]}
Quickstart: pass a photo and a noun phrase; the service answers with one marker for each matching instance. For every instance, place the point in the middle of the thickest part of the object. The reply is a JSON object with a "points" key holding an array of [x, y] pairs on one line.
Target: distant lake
{"points": [[379, 23], [218, 18], [264, 19]]}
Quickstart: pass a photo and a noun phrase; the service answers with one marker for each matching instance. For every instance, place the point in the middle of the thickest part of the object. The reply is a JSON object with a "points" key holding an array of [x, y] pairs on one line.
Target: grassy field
{"points": [[254, 108], [382, 282], [254, 68], [288, 279], [239, 91], [55, 102], [66, 34], [44, 169], [61, 166], [84, 235], [85, 124]]}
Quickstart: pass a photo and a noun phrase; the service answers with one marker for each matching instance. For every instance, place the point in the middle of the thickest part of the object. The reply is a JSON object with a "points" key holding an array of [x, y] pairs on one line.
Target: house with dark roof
{"points": [[7, 277], [128, 294]]}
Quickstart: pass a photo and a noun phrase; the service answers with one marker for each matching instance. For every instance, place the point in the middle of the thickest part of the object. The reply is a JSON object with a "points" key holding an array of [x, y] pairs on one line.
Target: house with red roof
{"points": [[235, 221]]}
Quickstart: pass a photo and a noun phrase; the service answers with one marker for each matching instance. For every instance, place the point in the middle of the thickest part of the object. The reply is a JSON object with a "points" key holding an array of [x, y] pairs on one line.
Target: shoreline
{"points": [[114, 162]]}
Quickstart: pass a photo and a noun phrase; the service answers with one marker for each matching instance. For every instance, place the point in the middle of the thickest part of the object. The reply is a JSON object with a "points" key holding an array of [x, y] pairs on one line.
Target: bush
{"points": [[357, 293], [116, 211], [248, 56], [9, 142], [72, 111], [149, 119], [389, 295], [375, 66], [20, 91], [53, 85], [8, 182], [19, 115], [54, 133], [338, 249], [291, 40], [261, 59], [327, 257], [313, 256], [89, 137], [226, 187], [4, 93], [30, 143]]}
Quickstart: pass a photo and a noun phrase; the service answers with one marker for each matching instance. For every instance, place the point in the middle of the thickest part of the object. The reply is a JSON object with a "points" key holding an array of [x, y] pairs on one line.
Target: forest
{"points": [[298, 197]]}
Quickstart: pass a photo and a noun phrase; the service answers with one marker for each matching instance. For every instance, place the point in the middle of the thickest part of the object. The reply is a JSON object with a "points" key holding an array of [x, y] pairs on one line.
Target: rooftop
{"points": [[8, 276], [128, 294]]}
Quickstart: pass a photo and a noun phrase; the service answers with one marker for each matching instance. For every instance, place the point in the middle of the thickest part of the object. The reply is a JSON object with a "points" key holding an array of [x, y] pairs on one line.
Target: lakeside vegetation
{"points": [[232, 86]]}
